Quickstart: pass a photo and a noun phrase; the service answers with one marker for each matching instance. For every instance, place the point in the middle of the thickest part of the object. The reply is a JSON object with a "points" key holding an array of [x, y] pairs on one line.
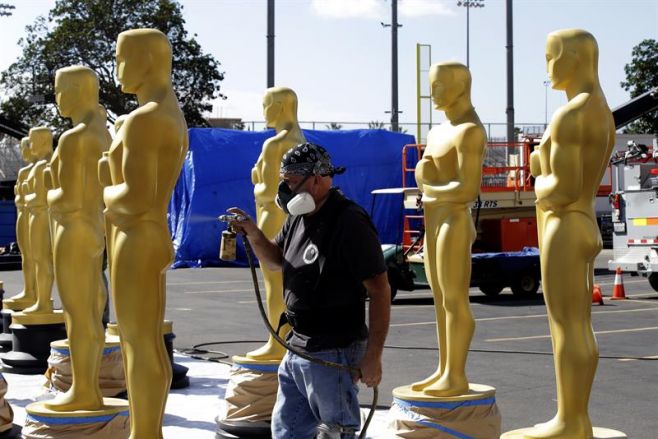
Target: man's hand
{"points": [[371, 369], [246, 226], [268, 253], [379, 313]]}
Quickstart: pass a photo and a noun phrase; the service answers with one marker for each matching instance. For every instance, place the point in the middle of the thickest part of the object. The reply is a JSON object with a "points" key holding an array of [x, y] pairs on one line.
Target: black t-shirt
{"points": [[326, 258]]}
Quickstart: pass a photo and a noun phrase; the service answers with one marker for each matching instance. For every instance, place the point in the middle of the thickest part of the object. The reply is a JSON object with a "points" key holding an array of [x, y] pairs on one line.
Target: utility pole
{"points": [[394, 66], [270, 43], [395, 125], [510, 72]]}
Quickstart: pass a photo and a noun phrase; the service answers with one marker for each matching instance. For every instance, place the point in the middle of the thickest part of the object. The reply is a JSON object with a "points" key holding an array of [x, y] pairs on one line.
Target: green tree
{"points": [[642, 76], [376, 125], [85, 32], [399, 130], [6, 9], [334, 126]]}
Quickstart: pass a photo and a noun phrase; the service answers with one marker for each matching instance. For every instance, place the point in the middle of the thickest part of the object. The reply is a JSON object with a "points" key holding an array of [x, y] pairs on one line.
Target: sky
{"points": [[337, 55]]}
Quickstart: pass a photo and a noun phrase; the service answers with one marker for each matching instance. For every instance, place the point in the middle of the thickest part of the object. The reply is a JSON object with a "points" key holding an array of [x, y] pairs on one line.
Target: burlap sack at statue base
{"points": [[250, 394], [6, 413], [112, 379], [478, 419], [117, 427]]}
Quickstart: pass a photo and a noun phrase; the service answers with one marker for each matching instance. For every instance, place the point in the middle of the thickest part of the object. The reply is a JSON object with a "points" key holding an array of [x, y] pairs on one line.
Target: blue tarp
{"points": [[216, 175], [525, 252]]}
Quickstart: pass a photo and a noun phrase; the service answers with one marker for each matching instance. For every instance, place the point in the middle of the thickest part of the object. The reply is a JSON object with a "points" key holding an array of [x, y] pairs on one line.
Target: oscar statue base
{"points": [[6, 319], [242, 430], [250, 397], [17, 304], [12, 433], [7, 427], [110, 422], [179, 380], [415, 415], [112, 380], [31, 338], [599, 433], [5, 336]]}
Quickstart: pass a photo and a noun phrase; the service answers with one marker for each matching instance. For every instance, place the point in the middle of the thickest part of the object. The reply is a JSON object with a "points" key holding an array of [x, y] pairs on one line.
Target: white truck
{"points": [[634, 198]]}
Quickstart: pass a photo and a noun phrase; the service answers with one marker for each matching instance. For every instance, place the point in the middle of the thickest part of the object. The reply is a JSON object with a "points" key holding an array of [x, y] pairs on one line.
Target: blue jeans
{"points": [[312, 394]]}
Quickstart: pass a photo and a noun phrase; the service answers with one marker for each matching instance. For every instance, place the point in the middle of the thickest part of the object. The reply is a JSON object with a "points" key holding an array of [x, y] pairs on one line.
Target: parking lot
{"points": [[511, 349]]}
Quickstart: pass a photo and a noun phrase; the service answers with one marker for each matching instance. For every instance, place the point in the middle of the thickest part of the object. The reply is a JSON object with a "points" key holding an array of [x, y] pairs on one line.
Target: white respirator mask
{"points": [[293, 203]]}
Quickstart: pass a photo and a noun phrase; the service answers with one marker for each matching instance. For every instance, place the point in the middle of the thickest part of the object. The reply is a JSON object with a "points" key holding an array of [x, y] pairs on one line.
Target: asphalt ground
{"points": [[511, 349]]}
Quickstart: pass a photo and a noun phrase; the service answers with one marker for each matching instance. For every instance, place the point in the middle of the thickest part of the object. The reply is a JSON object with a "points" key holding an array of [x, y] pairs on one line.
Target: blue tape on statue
{"points": [[258, 367], [450, 431], [80, 420], [67, 353], [444, 405]]}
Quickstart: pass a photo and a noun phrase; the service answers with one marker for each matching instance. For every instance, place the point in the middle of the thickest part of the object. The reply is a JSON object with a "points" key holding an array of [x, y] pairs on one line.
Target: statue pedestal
{"points": [[6, 413], [599, 433], [415, 415], [17, 304], [112, 378], [250, 397], [11, 306], [31, 338], [179, 380], [5, 336], [110, 422]]}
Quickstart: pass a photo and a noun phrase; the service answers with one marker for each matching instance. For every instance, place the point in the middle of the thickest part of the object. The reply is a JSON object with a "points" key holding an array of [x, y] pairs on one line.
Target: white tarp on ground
{"points": [[190, 412]]}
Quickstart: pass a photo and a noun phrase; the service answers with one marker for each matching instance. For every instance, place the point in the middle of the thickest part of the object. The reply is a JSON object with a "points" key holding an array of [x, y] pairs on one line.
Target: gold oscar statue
{"points": [[27, 297], [449, 177], [144, 161], [568, 167], [35, 192], [76, 208], [280, 111]]}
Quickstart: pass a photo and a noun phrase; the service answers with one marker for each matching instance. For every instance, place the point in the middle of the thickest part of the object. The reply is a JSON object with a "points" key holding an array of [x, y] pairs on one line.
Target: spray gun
{"points": [[228, 245]]}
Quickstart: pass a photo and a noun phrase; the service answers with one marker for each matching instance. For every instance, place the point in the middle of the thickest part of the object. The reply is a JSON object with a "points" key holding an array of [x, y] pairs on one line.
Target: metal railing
{"points": [[496, 131]]}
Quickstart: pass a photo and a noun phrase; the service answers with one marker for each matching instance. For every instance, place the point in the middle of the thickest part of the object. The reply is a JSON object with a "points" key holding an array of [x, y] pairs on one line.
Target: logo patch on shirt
{"points": [[311, 254]]}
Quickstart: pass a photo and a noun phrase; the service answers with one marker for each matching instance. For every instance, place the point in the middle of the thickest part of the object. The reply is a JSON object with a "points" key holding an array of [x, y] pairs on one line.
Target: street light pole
{"points": [[510, 70], [270, 43], [468, 4], [394, 65], [468, 39]]}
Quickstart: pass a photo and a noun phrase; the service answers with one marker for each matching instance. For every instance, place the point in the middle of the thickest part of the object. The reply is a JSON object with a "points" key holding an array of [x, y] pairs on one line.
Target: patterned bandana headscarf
{"points": [[308, 159]]}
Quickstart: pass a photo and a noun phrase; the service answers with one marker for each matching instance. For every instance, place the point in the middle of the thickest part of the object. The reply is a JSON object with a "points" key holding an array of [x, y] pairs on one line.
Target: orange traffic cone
{"points": [[597, 297], [618, 292]]}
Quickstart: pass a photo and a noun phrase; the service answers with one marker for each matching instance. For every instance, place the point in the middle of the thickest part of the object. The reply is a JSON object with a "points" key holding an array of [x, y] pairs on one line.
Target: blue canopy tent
{"points": [[216, 175]]}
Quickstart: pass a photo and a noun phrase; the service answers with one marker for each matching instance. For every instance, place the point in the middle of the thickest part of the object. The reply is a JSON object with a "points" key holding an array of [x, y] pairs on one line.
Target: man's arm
{"points": [[379, 316], [268, 252]]}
